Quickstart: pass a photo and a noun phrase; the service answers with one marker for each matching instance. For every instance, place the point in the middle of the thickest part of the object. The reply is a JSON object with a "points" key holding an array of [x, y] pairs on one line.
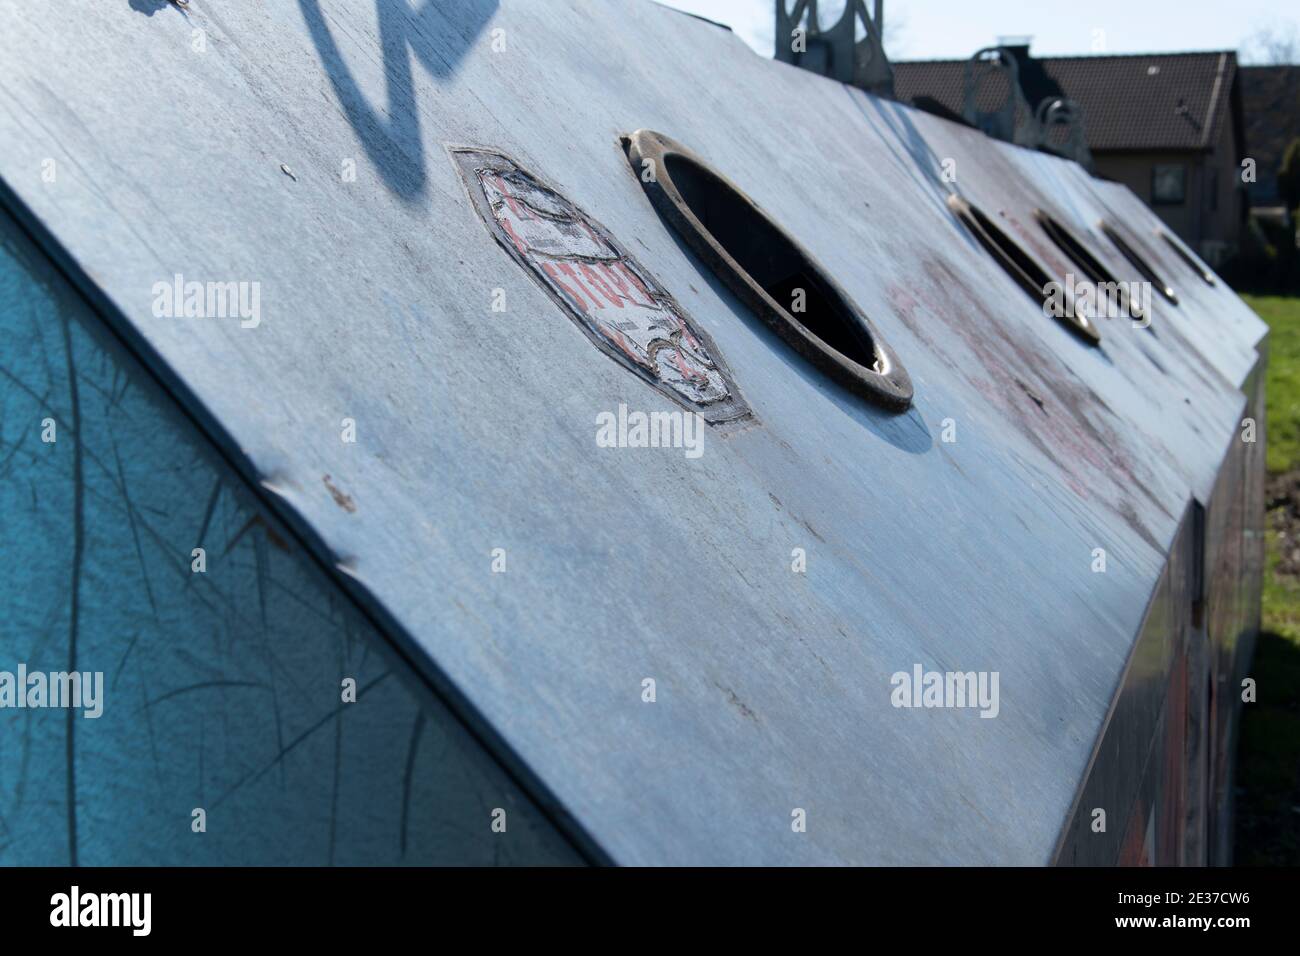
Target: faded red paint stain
{"points": [[1042, 397]]}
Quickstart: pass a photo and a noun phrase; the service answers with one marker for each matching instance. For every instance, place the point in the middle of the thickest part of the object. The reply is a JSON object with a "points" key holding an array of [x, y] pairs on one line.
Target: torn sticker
{"points": [[611, 297]]}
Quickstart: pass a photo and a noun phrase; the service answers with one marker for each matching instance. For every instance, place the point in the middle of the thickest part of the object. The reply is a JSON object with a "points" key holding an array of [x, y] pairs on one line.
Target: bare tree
{"points": [[1274, 44]]}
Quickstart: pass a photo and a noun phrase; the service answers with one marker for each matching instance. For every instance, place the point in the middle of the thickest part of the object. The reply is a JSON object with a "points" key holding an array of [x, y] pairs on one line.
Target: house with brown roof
{"points": [[1169, 126]]}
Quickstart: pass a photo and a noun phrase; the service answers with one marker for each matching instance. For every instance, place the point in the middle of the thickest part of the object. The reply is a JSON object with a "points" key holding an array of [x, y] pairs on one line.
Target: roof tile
{"points": [[1130, 102]]}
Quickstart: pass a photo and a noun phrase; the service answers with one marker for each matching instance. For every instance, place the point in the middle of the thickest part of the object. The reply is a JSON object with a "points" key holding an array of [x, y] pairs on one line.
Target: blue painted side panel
{"points": [[223, 689]]}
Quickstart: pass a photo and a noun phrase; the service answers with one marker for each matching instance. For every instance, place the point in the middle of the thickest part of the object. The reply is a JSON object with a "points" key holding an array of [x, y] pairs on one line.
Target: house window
{"points": [[1168, 184]]}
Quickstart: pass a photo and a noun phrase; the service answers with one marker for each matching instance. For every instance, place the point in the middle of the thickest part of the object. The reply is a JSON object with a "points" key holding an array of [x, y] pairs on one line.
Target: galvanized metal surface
{"points": [[476, 429]]}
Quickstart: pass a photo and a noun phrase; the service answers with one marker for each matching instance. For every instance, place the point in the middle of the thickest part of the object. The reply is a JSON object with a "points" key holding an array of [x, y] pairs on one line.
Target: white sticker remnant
{"points": [[618, 304]]}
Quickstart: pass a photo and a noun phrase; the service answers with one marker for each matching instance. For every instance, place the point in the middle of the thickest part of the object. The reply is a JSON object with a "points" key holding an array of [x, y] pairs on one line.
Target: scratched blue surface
{"points": [[222, 689], [476, 428]]}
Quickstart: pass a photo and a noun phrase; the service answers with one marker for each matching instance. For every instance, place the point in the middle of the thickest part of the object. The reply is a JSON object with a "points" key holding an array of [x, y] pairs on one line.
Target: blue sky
{"points": [[928, 29]]}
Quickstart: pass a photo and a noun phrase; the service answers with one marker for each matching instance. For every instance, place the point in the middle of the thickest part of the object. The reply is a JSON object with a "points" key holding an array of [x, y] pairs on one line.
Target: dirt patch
{"points": [[343, 501], [1282, 494]]}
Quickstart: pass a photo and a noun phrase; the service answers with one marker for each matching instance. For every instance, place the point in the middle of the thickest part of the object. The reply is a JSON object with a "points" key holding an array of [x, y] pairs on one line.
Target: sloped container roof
{"points": [[306, 147]]}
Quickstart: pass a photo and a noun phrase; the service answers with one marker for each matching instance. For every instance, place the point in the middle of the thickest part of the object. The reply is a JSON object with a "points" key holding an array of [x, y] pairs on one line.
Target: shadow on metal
{"points": [[897, 120], [150, 7], [391, 135]]}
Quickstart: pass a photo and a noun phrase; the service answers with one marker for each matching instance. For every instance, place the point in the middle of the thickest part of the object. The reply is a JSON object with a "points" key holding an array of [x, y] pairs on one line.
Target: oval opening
{"points": [[1021, 267], [1092, 267], [1192, 263], [768, 270], [769, 257], [1143, 267]]}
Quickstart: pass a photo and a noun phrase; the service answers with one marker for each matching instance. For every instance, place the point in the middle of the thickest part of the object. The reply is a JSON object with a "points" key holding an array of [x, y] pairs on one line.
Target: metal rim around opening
{"points": [[1074, 248], [884, 381], [1136, 258], [1023, 269], [1201, 270]]}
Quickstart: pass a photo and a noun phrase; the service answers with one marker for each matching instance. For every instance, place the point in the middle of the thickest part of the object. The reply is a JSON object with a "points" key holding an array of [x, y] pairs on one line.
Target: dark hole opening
{"points": [[1139, 263], [1023, 268], [1070, 244], [1030, 276], [760, 249], [1074, 248], [1192, 264]]}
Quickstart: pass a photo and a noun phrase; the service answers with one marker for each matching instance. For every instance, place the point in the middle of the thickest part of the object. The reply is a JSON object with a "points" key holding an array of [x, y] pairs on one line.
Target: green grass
{"points": [[1281, 594], [1268, 768], [1283, 317], [1281, 597]]}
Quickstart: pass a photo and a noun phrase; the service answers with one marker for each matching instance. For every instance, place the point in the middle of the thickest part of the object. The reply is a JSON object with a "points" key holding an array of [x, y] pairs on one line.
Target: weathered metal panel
{"points": [[1122, 793], [1234, 567], [476, 429]]}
